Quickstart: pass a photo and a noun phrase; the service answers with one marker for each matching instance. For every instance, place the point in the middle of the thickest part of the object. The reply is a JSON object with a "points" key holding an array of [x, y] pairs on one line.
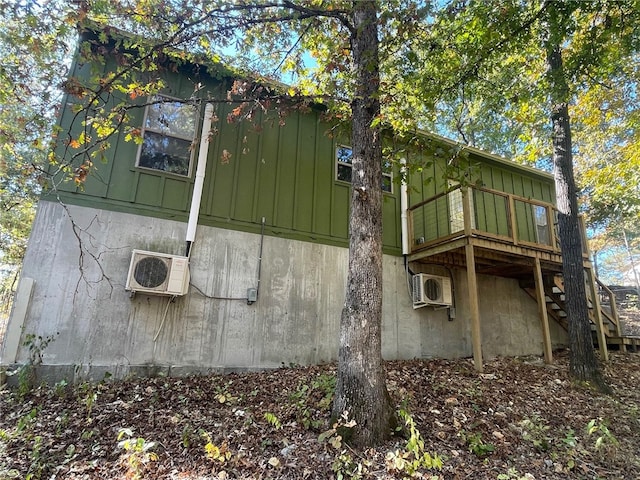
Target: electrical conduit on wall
{"points": [[404, 205], [199, 180]]}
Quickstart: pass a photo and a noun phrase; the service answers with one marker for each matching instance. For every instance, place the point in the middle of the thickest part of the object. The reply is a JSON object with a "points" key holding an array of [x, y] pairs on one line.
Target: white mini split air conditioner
{"points": [[431, 290], [158, 273]]}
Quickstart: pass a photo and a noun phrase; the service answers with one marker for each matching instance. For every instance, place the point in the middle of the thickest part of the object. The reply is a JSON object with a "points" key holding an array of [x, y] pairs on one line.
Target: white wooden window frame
{"points": [[342, 167], [152, 102]]}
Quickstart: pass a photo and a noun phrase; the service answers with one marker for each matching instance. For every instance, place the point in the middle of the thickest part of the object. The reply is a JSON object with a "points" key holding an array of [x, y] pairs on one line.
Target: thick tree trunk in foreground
{"points": [[583, 364], [361, 390]]}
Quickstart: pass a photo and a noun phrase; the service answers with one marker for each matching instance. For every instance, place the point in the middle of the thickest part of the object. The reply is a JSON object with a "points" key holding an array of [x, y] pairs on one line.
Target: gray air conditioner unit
{"points": [[431, 290], [158, 273]]}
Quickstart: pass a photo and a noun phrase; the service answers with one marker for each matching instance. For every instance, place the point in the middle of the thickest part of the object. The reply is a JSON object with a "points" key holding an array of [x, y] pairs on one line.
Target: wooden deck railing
{"points": [[607, 299], [483, 212]]}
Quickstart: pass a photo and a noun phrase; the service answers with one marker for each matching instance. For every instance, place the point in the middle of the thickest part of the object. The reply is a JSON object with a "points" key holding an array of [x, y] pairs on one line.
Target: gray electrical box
{"points": [[252, 295]]}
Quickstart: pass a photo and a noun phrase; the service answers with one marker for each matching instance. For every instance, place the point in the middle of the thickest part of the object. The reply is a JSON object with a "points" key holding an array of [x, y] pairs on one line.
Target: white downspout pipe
{"points": [[404, 206], [199, 181]]}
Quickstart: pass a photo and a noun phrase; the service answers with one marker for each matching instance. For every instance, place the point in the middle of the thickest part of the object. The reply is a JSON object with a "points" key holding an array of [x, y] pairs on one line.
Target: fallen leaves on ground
{"points": [[520, 419]]}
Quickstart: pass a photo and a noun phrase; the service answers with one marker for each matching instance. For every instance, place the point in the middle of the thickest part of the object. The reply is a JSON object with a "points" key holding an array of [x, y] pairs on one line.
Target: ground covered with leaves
{"points": [[630, 321], [520, 419]]}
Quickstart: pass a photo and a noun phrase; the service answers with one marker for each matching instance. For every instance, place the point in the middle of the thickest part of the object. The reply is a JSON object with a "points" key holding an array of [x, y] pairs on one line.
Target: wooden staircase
{"points": [[555, 306]]}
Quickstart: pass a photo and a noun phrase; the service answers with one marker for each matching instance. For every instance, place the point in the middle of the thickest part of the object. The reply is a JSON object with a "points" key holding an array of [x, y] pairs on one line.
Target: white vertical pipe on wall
{"points": [[404, 205], [200, 171]]}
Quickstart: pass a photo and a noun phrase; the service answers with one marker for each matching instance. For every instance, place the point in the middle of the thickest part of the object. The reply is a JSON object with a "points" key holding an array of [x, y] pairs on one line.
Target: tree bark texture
{"points": [[583, 364], [361, 390]]}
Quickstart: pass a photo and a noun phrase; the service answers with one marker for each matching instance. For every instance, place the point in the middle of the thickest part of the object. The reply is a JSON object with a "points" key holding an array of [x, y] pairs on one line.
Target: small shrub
{"points": [[27, 372], [476, 445], [38, 465], [89, 397], [137, 453], [414, 456], [606, 444], [60, 388], [535, 431], [344, 466], [26, 421], [220, 454], [223, 394], [273, 420], [323, 385]]}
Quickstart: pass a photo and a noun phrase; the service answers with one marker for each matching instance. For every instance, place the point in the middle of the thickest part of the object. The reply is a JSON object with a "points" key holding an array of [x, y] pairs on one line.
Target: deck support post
{"points": [[472, 279], [472, 285], [542, 310], [597, 315]]}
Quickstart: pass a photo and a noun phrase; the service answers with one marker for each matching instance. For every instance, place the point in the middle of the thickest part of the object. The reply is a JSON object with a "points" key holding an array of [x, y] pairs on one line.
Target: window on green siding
{"points": [[542, 224], [344, 168], [169, 130]]}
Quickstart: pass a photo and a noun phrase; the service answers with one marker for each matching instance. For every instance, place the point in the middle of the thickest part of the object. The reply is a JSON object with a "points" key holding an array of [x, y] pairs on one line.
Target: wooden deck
{"points": [[492, 257], [506, 241], [517, 239]]}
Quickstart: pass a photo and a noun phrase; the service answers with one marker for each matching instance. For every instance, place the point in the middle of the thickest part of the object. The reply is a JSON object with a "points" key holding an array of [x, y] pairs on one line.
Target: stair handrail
{"points": [[612, 303]]}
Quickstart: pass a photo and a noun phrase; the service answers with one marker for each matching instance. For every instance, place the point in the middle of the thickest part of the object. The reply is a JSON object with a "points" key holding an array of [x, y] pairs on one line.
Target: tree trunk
{"points": [[583, 364], [361, 390]]}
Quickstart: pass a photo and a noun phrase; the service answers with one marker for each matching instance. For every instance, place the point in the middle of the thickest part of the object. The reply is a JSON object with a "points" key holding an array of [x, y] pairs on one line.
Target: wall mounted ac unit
{"points": [[431, 290], [158, 273]]}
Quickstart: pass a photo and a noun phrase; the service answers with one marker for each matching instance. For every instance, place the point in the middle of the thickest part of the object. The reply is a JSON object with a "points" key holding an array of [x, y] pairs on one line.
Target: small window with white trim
{"points": [[344, 168], [167, 136]]}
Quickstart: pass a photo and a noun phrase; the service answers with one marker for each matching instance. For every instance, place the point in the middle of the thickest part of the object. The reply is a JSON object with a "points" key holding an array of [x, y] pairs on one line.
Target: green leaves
{"points": [[273, 420], [34, 39]]}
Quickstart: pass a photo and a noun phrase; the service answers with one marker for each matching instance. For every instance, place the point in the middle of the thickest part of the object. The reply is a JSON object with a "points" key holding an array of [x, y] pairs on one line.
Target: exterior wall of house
{"points": [[477, 168], [80, 302], [259, 169], [282, 168], [489, 210], [284, 173]]}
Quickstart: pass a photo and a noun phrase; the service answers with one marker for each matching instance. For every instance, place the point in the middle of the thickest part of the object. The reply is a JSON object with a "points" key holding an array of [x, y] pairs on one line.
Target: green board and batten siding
{"points": [[490, 211], [284, 173]]}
